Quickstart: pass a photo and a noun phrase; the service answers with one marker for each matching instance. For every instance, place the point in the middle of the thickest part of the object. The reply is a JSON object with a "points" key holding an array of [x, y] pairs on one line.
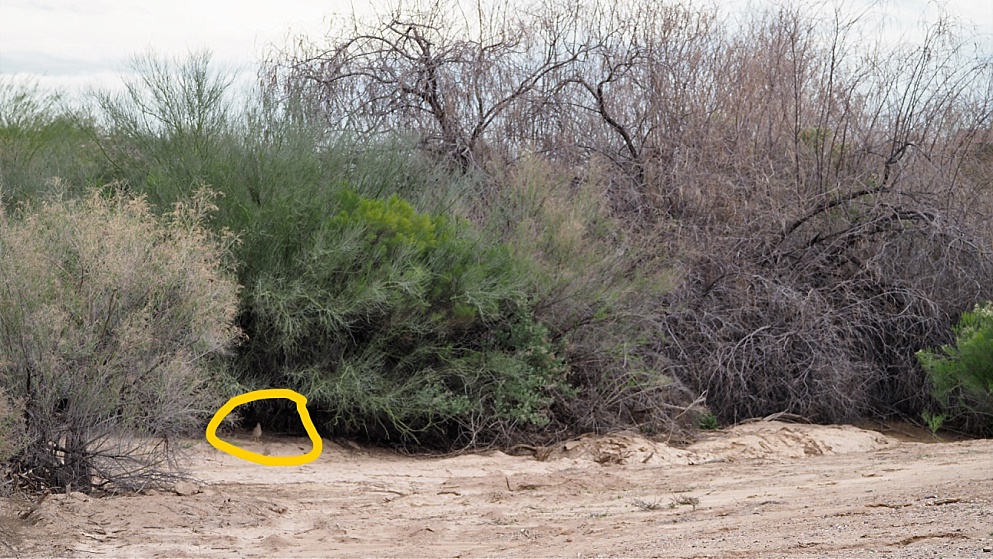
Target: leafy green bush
{"points": [[343, 277], [962, 374], [708, 422], [109, 320], [395, 322]]}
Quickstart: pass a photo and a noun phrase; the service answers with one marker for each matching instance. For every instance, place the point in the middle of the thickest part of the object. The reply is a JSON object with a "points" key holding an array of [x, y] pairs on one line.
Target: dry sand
{"points": [[763, 489]]}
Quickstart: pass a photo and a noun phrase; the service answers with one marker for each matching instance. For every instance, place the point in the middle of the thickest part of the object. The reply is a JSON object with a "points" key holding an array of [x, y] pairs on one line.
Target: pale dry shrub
{"points": [[11, 427], [110, 318], [11, 436], [599, 285]]}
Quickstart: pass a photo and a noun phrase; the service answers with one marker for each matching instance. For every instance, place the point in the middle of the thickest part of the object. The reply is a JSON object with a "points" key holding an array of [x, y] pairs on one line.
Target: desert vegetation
{"points": [[109, 320], [457, 229], [962, 374]]}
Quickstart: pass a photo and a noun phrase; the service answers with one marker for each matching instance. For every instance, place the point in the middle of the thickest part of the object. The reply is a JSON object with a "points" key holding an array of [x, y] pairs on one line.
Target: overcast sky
{"points": [[73, 43]]}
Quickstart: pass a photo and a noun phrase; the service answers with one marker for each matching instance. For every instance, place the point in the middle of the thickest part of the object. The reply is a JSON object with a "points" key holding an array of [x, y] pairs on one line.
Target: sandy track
{"points": [[758, 490]]}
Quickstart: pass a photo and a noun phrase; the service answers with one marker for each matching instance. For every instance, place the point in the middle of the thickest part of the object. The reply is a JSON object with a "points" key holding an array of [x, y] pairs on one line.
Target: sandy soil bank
{"points": [[764, 489]]}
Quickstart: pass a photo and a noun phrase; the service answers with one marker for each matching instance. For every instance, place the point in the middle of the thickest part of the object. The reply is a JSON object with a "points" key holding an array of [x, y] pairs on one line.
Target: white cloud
{"points": [[61, 41]]}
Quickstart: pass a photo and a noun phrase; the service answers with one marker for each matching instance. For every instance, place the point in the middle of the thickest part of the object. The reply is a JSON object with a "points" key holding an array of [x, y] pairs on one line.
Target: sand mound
{"points": [[774, 440], [760, 440], [622, 448]]}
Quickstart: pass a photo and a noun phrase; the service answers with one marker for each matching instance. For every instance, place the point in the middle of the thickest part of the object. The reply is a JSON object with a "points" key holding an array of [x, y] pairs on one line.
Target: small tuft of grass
{"points": [[648, 506], [933, 421], [708, 422]]}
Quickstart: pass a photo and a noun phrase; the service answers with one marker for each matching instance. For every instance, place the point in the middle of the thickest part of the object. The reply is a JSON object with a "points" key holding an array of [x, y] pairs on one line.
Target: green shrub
{"points": [[708, 422], [962, 374], [395, 322], [343, 277], [169, 129], [41, 140], [933, 421], [392, 224], [109, 319]]}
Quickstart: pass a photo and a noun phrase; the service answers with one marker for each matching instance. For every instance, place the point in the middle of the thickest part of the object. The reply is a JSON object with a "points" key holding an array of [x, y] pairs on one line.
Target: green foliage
{"points": [[397, 322], [387, 318], [962, 373], [393, 223], [531, 369], [110, 319], [596, 288], [708, 422], [934, 421], [39, 140], [168, 128]]}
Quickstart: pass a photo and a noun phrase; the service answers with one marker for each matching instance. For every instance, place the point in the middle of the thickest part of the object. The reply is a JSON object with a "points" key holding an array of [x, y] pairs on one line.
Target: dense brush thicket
{"points": [[824, 198], [527, 223]]}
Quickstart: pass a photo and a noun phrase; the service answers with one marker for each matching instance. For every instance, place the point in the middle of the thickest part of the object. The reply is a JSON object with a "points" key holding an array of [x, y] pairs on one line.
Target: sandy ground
{"points": [[764, 489]]}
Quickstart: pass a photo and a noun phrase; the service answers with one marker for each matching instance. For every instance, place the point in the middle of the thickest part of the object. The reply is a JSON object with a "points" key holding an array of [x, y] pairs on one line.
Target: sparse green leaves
{"points": [[962, 373]]}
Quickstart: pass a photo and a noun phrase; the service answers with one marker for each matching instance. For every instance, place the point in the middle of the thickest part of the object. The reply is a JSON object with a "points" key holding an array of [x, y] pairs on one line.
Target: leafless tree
{"points": [[451, 80]]}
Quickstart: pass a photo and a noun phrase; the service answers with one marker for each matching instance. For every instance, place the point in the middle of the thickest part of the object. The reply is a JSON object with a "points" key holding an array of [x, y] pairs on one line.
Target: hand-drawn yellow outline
{"points": [[231, 449]]}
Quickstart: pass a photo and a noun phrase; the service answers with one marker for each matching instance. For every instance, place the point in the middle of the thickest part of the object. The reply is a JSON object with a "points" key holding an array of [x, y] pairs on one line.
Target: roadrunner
{"points": [[257, 432]]}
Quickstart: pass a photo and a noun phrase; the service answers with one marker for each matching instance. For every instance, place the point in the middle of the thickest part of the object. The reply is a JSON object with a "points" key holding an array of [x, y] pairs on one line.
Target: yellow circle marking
{"points": [[233, 450]]}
